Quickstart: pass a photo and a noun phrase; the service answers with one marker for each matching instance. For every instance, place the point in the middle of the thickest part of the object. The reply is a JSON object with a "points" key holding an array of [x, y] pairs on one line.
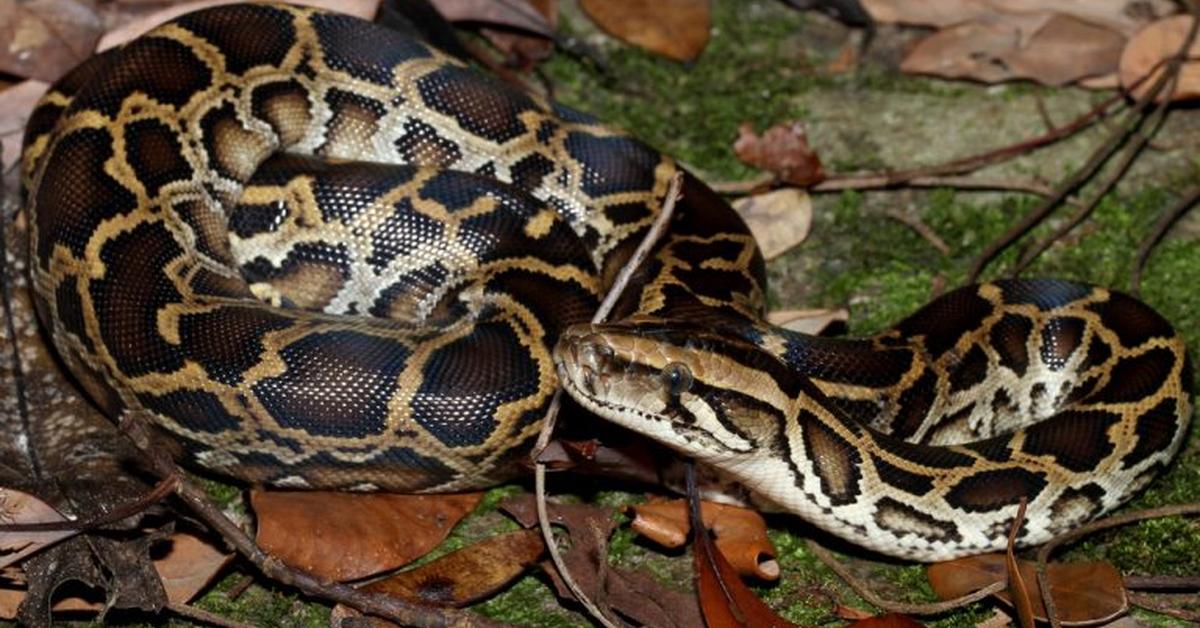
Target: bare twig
{"points": [[203, 616], [866, 592], [1163, 583], [1101, 156], [916, 224], [539, 469], [1156, 234]]}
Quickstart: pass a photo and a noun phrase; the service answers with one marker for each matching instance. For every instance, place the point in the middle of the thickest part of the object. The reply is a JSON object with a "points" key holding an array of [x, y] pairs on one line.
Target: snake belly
{"points": [[206, 257]]}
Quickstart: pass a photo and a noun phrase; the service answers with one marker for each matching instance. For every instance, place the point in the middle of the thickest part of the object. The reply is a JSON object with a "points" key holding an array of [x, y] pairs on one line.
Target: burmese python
{"points": [[205, 257]]}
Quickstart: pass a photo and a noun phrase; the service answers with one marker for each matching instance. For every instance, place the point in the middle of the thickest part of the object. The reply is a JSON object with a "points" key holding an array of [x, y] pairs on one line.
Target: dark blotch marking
{"points": [[1076, 438], [227, 341], [891, 514], [364, 50], [1060, 338], [915, 403], [423, 146], [164, 69], [947, 318], [1137, 377], [970, 370], [249, 35], [479, 104], [529, 172], [1077, 505], [336, 383], [1155, 430], [613, 164], [1132, 320], [460, 393], [835, 461], [907, 481], [194, 409], [1009, 336], [990, 490], [127, 299], [155, 154], [404, 230], [70, 309], [1098, 353], [1046, 294]]}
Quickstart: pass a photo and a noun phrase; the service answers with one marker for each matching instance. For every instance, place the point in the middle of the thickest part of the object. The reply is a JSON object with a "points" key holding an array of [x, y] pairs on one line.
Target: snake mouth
{"points": [[586, 363]]}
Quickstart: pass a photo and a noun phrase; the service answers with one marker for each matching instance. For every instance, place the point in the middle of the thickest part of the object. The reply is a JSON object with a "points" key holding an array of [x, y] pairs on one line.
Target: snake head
{"points": [[712, 397]]}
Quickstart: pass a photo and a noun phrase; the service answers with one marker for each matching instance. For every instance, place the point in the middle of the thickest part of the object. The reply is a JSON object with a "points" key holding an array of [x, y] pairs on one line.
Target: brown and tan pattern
{"points": [[204, 254]]}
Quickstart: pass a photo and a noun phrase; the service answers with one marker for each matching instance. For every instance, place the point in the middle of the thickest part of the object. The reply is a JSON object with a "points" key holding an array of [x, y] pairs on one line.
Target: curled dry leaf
{"points": [[346, 536], [816, 322], [513, 14], [469, 574], [1049, 48], [188, 566], [1084, 593], [725, 601], [783, 150], [1149, 47], [677, 29], [19, 507], [779, 220], [741, 533], [1123, 16], [45, 38]]}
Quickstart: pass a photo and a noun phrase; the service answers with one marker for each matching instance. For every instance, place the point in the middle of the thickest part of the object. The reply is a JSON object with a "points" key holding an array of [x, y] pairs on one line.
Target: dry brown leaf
{"points": [[45, 38], [19, 507], [1049, 48], [469, 574], [523, 51], [779, 219], [1084, 593], [16, 103], [676, 29], [364, 9], [741, 533], [725, 601], [518, 14], [346, 536], [1149, 47], [1018, 590], [783, 150], [815, 322], [188, 566], [1123, 16]]}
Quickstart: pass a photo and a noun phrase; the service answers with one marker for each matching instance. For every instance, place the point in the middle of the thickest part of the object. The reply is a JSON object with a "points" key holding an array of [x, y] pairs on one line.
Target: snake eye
{"points": [[677, 377]]}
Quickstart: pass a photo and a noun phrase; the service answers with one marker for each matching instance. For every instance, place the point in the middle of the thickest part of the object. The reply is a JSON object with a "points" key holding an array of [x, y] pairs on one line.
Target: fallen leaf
{"points": [[1149, 47], [779, 219], [346, 536], [741, 533], [676, 29], [364, 9], [725, 601], [518, 14], [1123, 16], [45, 38], [815, 322], [1018, 590], [16, 103], [469, 574], [19, 507], [632, 594], [523, 50], [783, 150], [1050, 48], [1084, 592], [188, 566]]}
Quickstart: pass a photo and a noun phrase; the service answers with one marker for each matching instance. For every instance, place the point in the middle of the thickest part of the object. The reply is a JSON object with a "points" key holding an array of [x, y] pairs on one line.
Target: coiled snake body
{"points": [[205, 257]]}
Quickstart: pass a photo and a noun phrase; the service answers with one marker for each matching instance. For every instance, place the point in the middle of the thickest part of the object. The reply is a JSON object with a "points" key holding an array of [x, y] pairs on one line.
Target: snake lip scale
{"points": [[316, 253]]}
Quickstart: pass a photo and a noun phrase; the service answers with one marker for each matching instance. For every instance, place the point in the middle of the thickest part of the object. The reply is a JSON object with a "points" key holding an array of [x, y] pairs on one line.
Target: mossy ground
{"points": [[763, 66]]}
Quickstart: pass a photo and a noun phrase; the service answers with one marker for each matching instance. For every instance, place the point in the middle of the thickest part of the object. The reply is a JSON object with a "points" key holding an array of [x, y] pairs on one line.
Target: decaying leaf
{"points": [[16, 103], [513, 14], [45, 38], [188, 566], [783, 150], [740, 533], [18, 507], [1123, 16], [1050, 48], [1084, 592], [1149, 47], [521, 49], [469, 574], [346, 536], [631, 594], [779, 219], [815, 322], [676, 29], [725, 601]]}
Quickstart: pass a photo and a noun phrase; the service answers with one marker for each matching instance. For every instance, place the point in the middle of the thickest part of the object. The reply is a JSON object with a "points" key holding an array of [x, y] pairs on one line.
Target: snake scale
{"points": [[317, 253]]}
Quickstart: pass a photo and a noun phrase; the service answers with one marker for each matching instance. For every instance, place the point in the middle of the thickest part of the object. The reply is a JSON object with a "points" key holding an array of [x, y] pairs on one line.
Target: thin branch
{"points": [[1162, 583], [916, 224], [657, 228], [1156, 234], [203, 616], [866, 592]]}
